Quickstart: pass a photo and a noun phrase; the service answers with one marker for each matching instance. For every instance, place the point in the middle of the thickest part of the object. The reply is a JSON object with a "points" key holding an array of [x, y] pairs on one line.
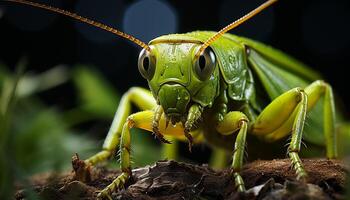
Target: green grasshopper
{"points": [[204, 83]]}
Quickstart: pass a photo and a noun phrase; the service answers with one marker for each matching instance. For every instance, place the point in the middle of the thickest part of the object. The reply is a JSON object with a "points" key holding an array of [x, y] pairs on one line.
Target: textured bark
{"points": [[272, 179]]}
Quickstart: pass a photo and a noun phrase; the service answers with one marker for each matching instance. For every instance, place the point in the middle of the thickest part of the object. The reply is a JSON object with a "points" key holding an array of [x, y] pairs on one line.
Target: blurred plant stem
{"points": [[7, 103]]}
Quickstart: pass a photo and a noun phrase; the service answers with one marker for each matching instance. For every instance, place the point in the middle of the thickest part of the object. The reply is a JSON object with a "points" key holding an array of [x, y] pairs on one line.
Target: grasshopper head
{"points": [[177, 78]]}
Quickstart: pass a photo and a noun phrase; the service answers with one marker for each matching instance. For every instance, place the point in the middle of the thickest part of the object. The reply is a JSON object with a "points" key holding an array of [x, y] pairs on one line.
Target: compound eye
{"points": [[146, 64], [205, 64]]}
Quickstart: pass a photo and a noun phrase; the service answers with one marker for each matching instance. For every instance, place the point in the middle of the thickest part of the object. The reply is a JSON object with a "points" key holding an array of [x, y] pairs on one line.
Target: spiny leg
{"points": [[155, 124], [193, 116], [125, 166], [142, 120], [192, 136], [297, 135], [284, 114], [314, 93], [232, 122], [144, 100]]}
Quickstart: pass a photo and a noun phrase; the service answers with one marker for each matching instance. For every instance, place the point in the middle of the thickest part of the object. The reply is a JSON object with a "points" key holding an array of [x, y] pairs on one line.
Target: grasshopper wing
{"points": [[275, 73]]}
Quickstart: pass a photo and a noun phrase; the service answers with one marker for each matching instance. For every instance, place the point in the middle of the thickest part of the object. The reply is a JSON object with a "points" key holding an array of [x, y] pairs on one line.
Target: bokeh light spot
{"points": [[27, 18], [108, 12], [259, 27], [148, 19], [325, 27]]}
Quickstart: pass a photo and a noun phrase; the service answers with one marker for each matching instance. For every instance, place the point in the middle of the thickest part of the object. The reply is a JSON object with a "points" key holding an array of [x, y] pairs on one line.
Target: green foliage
{"points": [[96, 95], [35, 137], [144, 151]]}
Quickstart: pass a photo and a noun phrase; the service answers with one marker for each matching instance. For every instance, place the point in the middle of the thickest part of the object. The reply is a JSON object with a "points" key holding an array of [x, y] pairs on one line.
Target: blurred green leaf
{"points": [[4, 73], [33, 83], [41, 137], [144, 150], [95, 93], [42, 134], [33, 137]]}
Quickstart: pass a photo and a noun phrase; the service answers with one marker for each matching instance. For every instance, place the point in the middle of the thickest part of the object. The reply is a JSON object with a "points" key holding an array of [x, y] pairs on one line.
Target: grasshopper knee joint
{"points": [[130, 121]]}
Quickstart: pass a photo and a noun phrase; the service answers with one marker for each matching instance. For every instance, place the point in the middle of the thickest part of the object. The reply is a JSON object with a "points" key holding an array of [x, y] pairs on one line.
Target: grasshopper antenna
{"points": [[85, 20], [234, 25]]}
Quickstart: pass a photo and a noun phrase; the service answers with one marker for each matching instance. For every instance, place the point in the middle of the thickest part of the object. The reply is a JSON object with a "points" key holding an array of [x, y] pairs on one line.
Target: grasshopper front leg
{"points": [[142, 120], [144, 100], [125, 149]]}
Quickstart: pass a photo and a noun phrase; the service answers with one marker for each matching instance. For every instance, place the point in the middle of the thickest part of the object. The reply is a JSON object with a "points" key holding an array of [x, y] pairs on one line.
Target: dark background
{"points": [[315, 32]]}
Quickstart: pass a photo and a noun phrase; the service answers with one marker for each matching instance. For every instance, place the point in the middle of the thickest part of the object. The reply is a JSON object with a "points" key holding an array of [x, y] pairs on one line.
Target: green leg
{"points": [[125, 166], [232, 122], [297, 134], [158, 113], [142, 120], [314, 92], [144, 100], [286, 113], [194, 114], [277, 120]]}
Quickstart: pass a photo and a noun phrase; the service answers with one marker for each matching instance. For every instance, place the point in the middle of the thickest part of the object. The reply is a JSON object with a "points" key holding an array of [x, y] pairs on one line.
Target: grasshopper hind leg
{"points": [[283, 115], [287, 113]]}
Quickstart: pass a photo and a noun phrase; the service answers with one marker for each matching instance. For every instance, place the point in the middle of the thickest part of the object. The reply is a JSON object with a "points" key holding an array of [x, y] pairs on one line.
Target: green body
{"points": [[236, 82], [235, 87], [218, 94]]}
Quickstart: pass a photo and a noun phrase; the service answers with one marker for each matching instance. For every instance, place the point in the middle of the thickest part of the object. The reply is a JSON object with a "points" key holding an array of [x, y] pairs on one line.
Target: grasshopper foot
{"points": [[82, 169], [158, 135], [155, 125], [239, 183], [189, 138], [298, 167], [117, 184], [301, 175]]}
